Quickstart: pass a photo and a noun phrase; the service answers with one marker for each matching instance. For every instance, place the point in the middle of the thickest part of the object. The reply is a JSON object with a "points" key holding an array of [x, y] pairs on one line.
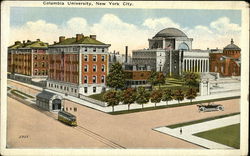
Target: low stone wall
{"points": [[100, 103]]}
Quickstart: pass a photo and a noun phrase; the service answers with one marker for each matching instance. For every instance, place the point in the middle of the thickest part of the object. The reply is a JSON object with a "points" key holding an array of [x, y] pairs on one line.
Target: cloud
{"points": [[160, 23], [112, 30]]}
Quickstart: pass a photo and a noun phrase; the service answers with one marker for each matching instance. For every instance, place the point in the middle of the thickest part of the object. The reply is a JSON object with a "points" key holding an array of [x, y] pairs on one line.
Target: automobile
{"points": [[210, 107]]}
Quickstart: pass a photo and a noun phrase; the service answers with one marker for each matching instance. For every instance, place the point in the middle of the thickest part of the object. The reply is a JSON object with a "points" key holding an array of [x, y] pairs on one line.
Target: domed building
{"points": [[227, 63], [170, 51]]}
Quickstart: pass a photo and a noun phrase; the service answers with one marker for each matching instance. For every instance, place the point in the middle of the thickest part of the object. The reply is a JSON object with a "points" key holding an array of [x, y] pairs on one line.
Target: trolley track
{"points": [[98, 137]]}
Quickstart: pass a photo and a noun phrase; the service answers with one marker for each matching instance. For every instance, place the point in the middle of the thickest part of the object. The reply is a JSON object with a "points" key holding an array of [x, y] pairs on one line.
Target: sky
{"points": [[125, 27]]}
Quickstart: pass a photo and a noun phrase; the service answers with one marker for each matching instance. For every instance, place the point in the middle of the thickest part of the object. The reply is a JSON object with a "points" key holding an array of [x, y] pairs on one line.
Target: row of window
{"points": [[86, 68], [38, 72], [94, 79], [69, 109], [41, 64], [94, 58], [62, 87], [37, 57], [75, 49]]}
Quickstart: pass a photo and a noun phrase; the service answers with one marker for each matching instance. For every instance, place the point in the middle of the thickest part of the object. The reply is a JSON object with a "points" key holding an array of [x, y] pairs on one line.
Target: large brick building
{"points": [[28, 61], [227, 63], [78, 65]]}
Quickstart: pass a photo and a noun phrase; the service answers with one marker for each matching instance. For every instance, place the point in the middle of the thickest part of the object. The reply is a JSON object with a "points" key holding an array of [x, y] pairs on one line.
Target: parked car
{"points": [[210, 107]]}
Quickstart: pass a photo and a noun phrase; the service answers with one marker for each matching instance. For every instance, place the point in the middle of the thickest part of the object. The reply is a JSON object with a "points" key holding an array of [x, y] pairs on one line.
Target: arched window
{"points": [[94, 68], [103, 68], [183, 46]]}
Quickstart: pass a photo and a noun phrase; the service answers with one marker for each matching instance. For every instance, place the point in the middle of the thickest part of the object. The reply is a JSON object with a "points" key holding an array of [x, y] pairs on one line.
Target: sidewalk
{"points": [[188, 131], [132, 106]]}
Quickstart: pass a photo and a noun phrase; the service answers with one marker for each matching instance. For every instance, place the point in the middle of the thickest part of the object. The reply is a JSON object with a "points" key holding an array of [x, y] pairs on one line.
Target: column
{"points": [[208, 65], [80, 67], [201, 65]]}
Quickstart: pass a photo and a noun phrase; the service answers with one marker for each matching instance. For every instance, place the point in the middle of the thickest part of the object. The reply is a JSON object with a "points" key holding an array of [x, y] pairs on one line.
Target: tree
{"points": [[167, 95], [112, 98], [129, 96], [160, 79], [156, 78], [179, 95], [156, 96], [116, 77], [142, 96], [191, 94], [191, 79], [152, 78]]}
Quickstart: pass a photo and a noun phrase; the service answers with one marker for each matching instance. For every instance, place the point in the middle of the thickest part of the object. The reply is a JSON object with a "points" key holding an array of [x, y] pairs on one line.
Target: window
{"points": [[42, 64], [103, 58], [60, 87], [35, 57], [66, 108], [75, 109], [94, 89], [94, 58], [85, 79], [94, 79], [94, 68], [85, 57], [86, 68], [43, 72], [35, 64], [102, 49], [70, 108], [85, 89], [103, 68], [94, 50], [43, 57], [75, 90], [103, 79], [86, 49]]}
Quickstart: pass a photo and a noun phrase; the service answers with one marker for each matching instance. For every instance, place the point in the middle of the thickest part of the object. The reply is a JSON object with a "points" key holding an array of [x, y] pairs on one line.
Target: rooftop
{"points": [[29, 44], [170, 32], [232, 46]]}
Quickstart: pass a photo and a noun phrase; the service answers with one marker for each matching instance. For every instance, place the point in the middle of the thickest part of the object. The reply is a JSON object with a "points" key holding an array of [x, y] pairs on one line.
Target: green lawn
{"points": [[17, 94], [199, 121], [229, 135], [24, 94], [97, 96]]}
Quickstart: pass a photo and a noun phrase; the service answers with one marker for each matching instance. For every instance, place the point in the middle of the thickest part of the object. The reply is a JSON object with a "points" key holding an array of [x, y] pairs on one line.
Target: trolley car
{"points": [[67, 118]]}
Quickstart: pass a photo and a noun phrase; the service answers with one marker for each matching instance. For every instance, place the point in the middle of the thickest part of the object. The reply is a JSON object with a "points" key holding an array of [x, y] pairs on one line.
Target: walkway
{"points": [[132, 106], [188, 131]]}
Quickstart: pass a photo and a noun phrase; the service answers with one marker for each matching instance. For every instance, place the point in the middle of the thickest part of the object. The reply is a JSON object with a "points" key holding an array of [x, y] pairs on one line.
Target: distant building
{"points": [[121, 58], [28, 61], [78, 66], [228, 62], [136, 75], [170, 51]]}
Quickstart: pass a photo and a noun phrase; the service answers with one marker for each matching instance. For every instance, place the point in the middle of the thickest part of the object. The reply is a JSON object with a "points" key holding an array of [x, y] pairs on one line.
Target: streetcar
{"points": [[67, 118]]}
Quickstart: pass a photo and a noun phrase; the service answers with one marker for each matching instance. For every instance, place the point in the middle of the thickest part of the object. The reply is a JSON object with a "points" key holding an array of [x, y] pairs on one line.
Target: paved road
{"points": [[129, 130]]}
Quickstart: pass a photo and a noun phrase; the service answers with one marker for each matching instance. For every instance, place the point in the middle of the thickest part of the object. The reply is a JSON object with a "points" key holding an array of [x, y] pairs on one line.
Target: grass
{"points": [[229, 135], [97, 96], [168, 106], [17, 94], [24, 94], [199, 121]]}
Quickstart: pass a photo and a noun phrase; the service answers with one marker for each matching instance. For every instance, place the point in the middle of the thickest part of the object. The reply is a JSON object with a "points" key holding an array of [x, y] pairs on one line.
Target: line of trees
{"points": [[142, 96]]}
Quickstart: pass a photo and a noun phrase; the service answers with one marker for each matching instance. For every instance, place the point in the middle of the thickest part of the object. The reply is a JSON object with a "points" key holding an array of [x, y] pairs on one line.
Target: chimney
{"points": [[78, 37], [232, 41], [23, 41], [61, 38], [93, 36], [38, 39], [126, 54], [28, 41], [54, 42]]}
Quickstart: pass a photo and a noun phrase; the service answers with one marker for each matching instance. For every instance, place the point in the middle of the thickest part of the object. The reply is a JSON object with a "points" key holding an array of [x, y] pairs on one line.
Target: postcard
{"points": [[124, 78]]}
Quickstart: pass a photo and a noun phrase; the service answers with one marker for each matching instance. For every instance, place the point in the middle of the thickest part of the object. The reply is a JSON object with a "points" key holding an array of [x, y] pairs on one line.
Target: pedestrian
{"points": [[181, 131]]}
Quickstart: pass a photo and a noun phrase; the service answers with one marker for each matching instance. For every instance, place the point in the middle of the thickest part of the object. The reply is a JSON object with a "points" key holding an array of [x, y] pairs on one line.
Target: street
{"points": [[28, 127]]}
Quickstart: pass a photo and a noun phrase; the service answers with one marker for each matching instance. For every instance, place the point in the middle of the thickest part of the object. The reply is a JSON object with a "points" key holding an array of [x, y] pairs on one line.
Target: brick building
{"points": [[228, 62], [28, 61], [78, 65]]}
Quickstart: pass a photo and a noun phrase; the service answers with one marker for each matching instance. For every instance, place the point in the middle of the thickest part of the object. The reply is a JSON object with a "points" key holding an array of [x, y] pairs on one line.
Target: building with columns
{"points": [[78, 66], [170, 51], [28, 61]]}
